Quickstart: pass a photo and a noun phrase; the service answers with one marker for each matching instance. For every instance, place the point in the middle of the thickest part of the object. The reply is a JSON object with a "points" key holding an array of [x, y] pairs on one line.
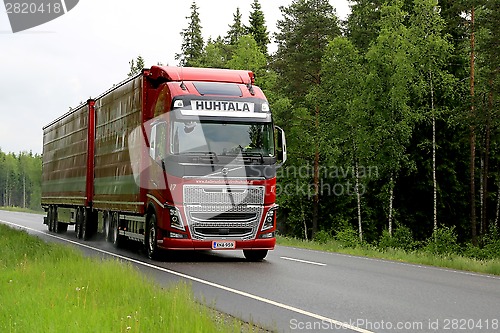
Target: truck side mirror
{"points": [[280, 146]]}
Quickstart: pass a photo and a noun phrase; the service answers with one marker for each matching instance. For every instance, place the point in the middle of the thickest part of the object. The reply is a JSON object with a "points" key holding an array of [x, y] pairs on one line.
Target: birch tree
{"points": [[431, 52], [390, 76], [342, 90]]}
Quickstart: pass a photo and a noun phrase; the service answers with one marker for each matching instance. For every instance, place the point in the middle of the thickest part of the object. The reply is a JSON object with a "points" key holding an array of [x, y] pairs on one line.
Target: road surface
{"points": [[296, 290]]}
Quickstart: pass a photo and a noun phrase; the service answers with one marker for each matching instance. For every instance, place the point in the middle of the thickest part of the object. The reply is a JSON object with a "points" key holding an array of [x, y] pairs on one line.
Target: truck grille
{"points": [[223, 211]]}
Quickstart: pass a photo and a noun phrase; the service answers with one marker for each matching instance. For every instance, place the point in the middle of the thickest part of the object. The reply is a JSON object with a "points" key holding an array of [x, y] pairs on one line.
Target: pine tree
{"points": [[304, 33], [257, 27], [236, 30], [136, 66], [488, 88], [192, 39]]}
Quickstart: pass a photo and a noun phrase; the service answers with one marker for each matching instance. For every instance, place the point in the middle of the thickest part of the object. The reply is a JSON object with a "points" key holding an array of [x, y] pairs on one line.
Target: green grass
{"points": [[22, 210], [452, 261], [52, 288]]}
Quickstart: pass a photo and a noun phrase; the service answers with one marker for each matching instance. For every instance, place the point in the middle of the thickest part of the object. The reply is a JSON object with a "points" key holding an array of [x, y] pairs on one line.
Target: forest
{"points": [[20, 180], [391, 115]]}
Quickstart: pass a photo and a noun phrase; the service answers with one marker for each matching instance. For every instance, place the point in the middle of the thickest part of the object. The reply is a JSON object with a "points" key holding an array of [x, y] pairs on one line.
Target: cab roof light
{"points": [[179, 103]]}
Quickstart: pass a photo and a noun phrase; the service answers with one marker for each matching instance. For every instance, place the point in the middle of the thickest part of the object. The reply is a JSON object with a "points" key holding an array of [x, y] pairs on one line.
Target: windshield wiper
{"points": [[252, 153], [210, 154]]}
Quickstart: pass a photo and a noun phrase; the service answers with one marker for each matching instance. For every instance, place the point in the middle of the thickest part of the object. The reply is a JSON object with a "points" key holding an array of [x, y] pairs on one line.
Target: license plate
{"points": [[223, 245]]}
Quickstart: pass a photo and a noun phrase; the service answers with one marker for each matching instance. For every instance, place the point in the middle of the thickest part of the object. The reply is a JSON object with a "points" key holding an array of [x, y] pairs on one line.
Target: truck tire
{"points": [[151, 235], [58, 227], [62, 228], [78, 225], [55, 222], [108, 232], [255, 255], [116, 238], [50, 224], [85, 225]]}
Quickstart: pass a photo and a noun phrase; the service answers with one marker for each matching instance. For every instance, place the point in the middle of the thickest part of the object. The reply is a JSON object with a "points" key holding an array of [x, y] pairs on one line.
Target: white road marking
{"points": [[338, 324], [394, 262], [304, 261]]}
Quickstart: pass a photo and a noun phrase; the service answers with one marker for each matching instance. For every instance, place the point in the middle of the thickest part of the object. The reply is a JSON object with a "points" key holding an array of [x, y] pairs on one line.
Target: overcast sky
{"points": [[48, 69]]}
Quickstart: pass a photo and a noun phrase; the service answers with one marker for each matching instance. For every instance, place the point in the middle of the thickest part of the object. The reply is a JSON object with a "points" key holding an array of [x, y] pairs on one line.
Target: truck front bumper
{"points": [[189, 244]]}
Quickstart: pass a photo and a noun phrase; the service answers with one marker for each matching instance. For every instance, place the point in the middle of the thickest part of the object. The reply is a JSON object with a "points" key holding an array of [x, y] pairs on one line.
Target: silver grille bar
{"points": [[223, 211]]}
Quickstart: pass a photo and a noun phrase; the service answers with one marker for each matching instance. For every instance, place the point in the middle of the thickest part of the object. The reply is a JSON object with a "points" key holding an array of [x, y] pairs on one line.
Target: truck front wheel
{"points": [[151, 237], [255, 255]]}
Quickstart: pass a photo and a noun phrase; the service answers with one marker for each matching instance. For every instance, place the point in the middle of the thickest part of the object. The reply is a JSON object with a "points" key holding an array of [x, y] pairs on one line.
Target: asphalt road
{"points": [[297, 290]]}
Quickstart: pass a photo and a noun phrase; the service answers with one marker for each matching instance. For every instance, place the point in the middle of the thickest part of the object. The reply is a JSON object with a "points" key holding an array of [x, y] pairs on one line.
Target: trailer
{"points": [[176, 158]]}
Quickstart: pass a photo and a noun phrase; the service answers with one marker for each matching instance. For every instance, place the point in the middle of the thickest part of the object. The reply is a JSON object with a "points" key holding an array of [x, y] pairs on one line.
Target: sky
{"points": [[46, 70]]}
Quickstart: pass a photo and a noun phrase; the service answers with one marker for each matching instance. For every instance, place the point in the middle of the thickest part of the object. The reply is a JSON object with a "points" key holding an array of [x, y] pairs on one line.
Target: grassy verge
{"points": [[22, 210], [52, 288], [452, 261]]}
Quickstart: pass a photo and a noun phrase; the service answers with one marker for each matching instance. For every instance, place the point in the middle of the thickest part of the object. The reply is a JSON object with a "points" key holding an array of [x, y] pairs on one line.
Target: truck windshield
{"points": [[222, 138]]}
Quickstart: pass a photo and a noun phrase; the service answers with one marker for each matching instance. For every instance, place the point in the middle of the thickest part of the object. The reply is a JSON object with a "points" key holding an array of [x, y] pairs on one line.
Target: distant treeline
{"points": [[20, 180]]}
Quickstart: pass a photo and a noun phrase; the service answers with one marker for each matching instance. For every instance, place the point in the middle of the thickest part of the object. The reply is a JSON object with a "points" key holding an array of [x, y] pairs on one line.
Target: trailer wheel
{"points": [[58, 227], [116, 238], [255, 255], [55, 222], [63, 227], [108, 234], [85, 225], [50, 224], [151, 238], [78, 225]]}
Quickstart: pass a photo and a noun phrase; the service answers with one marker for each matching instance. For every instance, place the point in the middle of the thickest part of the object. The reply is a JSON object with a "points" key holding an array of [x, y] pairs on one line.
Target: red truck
{"points": [[176, 158]]}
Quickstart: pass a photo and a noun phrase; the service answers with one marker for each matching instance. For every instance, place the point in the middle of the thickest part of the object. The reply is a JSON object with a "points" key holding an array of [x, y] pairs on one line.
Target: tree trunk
{"points": [[6, 197], [391, 199], [24, 191], [304, 220], [498, 204], [481, 190], [472, 136], [358, 197], [434, 180], [7, 190], [484, 213], [316, 177]]}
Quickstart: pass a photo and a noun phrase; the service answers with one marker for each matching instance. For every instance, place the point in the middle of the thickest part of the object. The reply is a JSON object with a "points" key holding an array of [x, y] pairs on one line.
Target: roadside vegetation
{"points": [[22, 210], [441, 250], [52, 288]]}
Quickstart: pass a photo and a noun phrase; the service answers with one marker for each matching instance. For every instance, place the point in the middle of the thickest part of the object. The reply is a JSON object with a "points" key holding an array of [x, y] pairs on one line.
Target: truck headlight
{"points": [[176, 219], [269, 219]]}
